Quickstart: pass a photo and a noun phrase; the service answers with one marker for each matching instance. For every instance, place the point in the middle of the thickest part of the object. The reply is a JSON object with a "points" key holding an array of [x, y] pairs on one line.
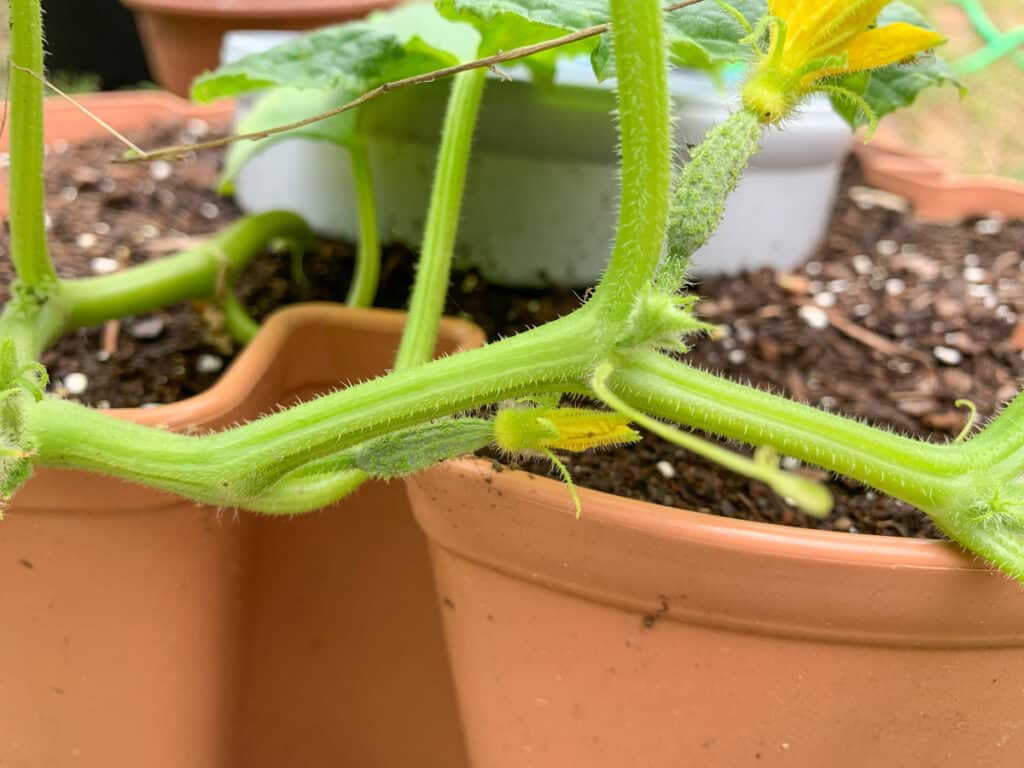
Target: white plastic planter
{"points": [[541, 197]]}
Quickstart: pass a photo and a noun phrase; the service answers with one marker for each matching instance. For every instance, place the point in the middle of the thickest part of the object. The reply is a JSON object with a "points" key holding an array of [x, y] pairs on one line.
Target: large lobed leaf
{"points": [[353, 57], [328, 68], [702, 36], [280, 107]]}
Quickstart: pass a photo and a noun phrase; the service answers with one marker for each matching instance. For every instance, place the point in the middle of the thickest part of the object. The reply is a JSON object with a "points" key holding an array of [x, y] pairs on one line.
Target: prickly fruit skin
{"points": [[704, 185]]}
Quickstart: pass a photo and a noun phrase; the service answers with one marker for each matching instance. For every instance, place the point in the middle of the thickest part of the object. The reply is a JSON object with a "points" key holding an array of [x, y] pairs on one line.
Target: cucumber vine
{"points": [[621, 348]]}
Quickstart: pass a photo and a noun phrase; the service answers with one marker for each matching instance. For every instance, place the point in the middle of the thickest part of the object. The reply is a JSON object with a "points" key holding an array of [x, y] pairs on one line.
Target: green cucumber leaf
{"points": [[702, 36], [508, 24], [898, 85], [280, 107], [354, 57]]}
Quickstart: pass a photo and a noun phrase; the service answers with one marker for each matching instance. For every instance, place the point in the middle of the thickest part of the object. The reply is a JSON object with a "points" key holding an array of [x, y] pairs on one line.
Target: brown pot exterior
{"points": [[935, 193], [648, 636], [141, 630], [182, 38]]}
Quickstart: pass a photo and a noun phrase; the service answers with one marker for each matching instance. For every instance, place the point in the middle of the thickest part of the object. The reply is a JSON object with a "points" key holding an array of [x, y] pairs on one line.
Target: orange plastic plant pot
{"points": [[139, 629], [182, 38], [642, 635]]}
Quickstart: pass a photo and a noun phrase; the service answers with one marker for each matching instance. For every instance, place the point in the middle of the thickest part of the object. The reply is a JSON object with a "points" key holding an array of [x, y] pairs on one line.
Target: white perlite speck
{"points": [[815, 317], [161, 170], [76, 383], [209, 363], [895, 287], [104, 265], [975, 275], [988, 227], [86, 240], [667, 470], [887, 247], [948, 355], [862, 264], [825, 299]]}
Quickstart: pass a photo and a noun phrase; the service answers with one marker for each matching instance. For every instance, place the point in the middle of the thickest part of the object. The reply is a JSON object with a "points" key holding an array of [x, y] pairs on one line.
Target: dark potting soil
{"points": [[890, 321]]}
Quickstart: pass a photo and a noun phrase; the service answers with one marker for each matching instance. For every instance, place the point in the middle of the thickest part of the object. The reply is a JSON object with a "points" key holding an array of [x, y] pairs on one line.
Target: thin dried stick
{"points": [[78, 105]]}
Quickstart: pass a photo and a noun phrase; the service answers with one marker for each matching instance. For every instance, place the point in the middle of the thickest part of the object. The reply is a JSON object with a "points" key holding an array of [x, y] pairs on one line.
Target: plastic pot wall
{"points": [[542, 193], [643, 635], [140, 629]]}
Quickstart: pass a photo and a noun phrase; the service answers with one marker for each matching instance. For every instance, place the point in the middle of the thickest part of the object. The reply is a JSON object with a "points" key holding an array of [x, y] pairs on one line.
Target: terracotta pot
{"points": [[140, 629], [648, 636], [936, 193], [183, 37]]}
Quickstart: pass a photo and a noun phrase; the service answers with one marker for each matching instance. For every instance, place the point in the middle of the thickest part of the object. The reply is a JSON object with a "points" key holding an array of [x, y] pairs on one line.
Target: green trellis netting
{"points": [[997, 42]]}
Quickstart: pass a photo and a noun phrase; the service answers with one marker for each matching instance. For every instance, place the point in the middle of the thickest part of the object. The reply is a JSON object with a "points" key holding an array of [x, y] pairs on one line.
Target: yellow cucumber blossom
{"points": [[810, 42]]}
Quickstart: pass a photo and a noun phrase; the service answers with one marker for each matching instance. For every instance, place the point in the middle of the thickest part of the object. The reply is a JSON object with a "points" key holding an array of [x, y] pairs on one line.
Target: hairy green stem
{"points": [[435, 264], [907, 469], [644, 109], [367, 275], [29, 253], [244, 463], [237, 320], [308, 494], [195, 273], [31, 322], [812, 498]]}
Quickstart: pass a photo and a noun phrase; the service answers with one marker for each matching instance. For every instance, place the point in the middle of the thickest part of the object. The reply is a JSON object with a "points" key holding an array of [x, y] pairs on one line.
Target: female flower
{"points": [[810, 43]]}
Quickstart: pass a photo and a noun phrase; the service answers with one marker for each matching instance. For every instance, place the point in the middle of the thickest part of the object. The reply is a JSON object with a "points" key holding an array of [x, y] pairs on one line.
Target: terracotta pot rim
{"points": [[263, 10], [783, 541], [733, 575]]}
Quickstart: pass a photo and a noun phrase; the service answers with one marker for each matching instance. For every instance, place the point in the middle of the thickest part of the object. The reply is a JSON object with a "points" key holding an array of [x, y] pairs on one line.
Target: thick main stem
{"points": [[29, 253], [644, 123], [435, 265], [236, 466]]}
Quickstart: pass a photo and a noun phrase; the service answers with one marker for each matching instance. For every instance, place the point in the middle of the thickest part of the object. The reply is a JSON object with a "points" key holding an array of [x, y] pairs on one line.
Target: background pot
{"points": [[183, 37], [936, 193], [645, 635], [545, 159], [140, 629]]}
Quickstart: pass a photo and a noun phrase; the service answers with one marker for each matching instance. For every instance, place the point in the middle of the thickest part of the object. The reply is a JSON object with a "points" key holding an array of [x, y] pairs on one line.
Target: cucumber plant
{"points": [[625, 347]]}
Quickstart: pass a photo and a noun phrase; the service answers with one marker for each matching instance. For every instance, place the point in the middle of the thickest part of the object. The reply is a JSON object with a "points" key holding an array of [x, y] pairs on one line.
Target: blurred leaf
{"points": [[280, 107], [355, 57]]}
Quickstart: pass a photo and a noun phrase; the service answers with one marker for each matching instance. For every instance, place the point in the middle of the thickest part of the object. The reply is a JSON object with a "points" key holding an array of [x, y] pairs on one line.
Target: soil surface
{"points": [[891, 321]]}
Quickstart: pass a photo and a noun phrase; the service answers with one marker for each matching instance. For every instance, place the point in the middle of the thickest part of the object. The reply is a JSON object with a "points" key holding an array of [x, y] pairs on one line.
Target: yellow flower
{"points": [[545, 430], [560, 429], [811, 41]]}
